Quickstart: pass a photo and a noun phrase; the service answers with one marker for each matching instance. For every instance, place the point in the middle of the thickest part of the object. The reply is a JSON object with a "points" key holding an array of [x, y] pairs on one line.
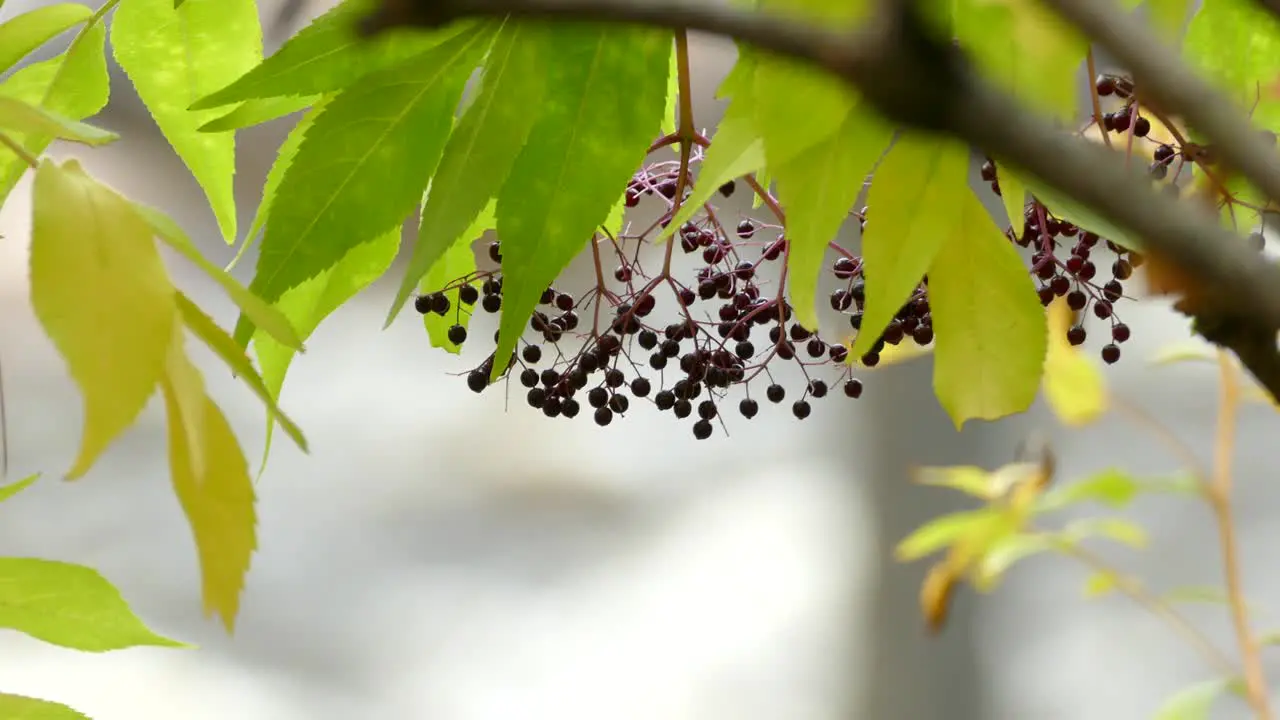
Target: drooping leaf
{"points": [[1073, 383], [1112, 487], [943, 531], [483, 147], [1193, 702], [211, 479], [14, 488], [902, 237], [258, 111], [606, 90], [21, 707], [363, 164], [816, 189], [70, 606], [328, 55], [74, 85], [173, 56], [458, 262], [238, 362], [23, 117], [989, 326], [101, 292], [24, 33], [311, 302]]}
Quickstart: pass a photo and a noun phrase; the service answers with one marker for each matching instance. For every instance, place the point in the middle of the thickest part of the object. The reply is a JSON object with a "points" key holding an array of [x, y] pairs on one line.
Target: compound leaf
{"points": [[70, 606], [458, 262], [258, 111], [27, 118], [14, 488], [21, 707], [21, 34], [817, 188], [174, 56], [1073, 383], [990, 328], [101, 292], [483, 147], [607, 88], [902, 237], [363, 164]]}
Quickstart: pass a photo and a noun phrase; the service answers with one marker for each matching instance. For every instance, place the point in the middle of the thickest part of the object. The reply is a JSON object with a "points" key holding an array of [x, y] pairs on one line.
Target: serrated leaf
{"points": [[1073, 383], [816, 188], [24, 33], [1098, 585], [311, 302], [238, 362], [901, 240], [8, 491], [942, 532], [989, 326], [174, 56], [606, 90], [258, 111], [1081, 216], [1112, 487], [363, 164], [211, 479], [70, 606], [458, 262], [328, 55], [16, 115], [1193, 702], [74, 85], [1120, 530], [21, 707], [483, 147], [101, 292]]}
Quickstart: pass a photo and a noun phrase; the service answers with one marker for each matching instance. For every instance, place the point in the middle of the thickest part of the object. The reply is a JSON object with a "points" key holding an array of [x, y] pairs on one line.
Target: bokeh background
{"points": [[441, 556]]}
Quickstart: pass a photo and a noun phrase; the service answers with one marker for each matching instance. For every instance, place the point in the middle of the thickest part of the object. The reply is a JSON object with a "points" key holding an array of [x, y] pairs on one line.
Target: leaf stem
{"points": [[1093, 96], [685, 131], [17, 149]]}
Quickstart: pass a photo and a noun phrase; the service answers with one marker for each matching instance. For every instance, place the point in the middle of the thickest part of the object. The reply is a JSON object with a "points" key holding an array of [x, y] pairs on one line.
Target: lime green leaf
{"points": [[606, 90], [27, 118], [669, 113], [1194, 349], [14, 488], [263, 315], [70, 606], [20, 707], [483, 147], [1192, 703], [311, 302], [174, 56], [900, 241], [74, 85], [1013, 194], [1003, 554], [363, 165], [1169, 16], [1120, 530], [968, 479], [458, 262], [1237, 45], [28, 31], [328, 55], [101, 292], [1111, 487], [1081, 216], [1099, 584], [256, 112], [990, 327], [211, 479], [943, 531], [1073, 383], [234, 356], [817, 188]]}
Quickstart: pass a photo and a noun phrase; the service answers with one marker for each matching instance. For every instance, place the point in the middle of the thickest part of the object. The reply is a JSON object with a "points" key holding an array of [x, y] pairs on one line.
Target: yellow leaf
{"points": [[101, 292], [211, 480], [1185, 351], [1072, 383], [904, 351], [935, 595], [1099, 584], [967, 479]]}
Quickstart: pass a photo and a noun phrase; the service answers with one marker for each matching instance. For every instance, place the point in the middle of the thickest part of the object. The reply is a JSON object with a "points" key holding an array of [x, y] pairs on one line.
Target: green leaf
{"points": [[174, 56], [1003, 554], [817, 188], [607, 87], [24, 33], [1099, 584], [483, 147], [458, 262], [1192, 703], [14, 488], [1013, 195], [1081, 216], [968, 479], [74, 85], [234, 356], [327, 56], [1120, 530], [256, 112], [990, 327], [1168, 16], [901, 241], [70, 606], [1197, 594], [1236, 44], [363, 165], [258, 311], [27, 118], [101, 292], [20, 707], [311, 302], [1112, 487], [943, 531], [669, 113]]}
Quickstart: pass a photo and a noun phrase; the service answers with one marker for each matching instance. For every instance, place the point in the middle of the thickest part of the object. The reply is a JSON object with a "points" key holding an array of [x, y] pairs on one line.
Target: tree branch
{"points": [[922, 82]]}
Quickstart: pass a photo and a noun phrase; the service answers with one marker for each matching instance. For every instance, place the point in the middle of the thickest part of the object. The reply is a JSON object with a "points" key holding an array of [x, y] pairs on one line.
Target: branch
{"points": [[922, 82]]}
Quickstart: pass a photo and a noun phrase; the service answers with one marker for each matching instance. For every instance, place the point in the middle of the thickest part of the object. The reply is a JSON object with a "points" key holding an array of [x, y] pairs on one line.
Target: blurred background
{"points": [[442, 556]]}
